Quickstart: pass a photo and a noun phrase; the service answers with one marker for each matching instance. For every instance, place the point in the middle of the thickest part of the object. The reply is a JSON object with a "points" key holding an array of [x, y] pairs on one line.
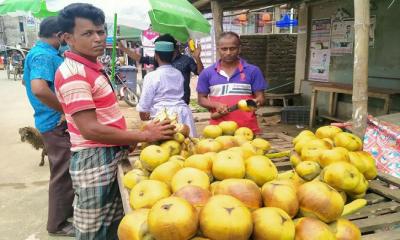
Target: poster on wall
{"points": [[319, 64], [372, 31], [342, 37], [320, 33], [319, 50], [30, 22]]}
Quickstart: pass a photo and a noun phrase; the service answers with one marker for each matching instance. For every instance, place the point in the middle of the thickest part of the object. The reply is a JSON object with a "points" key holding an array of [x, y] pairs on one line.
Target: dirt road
{"points": [[23, 184]]}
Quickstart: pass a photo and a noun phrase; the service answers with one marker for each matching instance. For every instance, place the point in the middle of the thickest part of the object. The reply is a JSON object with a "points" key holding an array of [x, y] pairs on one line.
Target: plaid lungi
{"points": [[97, 204]]}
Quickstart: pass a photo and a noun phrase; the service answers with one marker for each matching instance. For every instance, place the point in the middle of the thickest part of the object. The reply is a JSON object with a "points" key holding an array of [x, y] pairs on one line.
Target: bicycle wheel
{"points": [[139, 87], [130, 97]]}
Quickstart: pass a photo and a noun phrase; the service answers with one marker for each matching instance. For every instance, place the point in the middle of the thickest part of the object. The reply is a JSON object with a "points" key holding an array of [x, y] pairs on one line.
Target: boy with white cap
{"points": [[162, 89]]}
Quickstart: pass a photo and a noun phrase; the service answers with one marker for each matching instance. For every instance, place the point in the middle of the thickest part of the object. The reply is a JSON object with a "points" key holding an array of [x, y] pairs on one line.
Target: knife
{"points": [[250, 103]]}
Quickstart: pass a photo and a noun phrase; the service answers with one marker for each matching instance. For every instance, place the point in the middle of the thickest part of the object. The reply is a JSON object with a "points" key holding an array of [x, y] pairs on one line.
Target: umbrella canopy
{"points": [[176, 17], [129, 33], [36, 8]]}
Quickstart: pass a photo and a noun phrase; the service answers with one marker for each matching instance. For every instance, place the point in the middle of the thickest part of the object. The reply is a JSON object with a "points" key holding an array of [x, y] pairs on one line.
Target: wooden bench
{"points": [[284, 97], [333, 89]]}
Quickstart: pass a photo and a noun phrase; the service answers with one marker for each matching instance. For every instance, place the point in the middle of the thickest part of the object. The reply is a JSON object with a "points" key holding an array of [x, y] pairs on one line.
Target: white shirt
{"points": [[161, 88]]}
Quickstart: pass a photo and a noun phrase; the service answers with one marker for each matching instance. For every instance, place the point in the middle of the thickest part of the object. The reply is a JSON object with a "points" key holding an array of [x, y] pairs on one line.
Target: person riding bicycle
{"points": [[16, 58], [16, 61]]}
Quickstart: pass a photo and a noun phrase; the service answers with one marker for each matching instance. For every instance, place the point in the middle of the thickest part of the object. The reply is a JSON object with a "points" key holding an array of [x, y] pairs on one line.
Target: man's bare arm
{"points": [[196, 56], [131, 53], [42, 91], [91, 129], [260, 98], [205, 102]]}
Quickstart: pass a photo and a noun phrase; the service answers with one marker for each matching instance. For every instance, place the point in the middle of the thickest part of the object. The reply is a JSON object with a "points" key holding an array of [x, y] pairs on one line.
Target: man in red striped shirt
{"points": [[98, 131]]}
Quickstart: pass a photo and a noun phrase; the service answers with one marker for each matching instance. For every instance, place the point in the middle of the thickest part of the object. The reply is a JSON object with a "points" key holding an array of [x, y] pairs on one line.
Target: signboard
{"points": [[148, 38]]}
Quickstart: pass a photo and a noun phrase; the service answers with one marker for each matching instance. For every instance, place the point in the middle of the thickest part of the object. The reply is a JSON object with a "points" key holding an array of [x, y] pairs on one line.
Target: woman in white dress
{"points": [[163, 89]]}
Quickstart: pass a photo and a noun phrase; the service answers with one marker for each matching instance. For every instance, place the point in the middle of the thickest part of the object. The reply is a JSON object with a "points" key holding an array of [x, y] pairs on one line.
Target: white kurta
{"points": [[163, 88]]}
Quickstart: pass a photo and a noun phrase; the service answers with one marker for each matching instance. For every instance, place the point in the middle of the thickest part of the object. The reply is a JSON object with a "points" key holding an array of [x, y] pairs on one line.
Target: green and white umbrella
{"points": [[176, 17], [36, 8]]}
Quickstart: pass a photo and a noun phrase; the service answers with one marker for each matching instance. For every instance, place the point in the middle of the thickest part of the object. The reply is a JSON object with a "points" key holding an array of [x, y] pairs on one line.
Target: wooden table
{"points": [[284, 97], [377, 221], [335, 88]]}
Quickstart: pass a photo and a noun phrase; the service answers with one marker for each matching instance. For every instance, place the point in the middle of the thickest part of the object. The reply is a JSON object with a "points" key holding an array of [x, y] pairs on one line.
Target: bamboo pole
{"points": [[217, 13], [301, 49], [360, 73], [201, 3], [114, 50]]}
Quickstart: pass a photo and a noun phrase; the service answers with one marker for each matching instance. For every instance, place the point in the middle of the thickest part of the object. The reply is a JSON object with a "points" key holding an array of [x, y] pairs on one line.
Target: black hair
{"points": [[48, 27], [166, 38], [230, 34], [165, 56], [67, 15]]}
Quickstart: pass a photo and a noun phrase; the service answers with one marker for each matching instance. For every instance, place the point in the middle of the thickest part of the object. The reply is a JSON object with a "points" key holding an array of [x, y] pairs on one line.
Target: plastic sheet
{"points": [[382, 140]]}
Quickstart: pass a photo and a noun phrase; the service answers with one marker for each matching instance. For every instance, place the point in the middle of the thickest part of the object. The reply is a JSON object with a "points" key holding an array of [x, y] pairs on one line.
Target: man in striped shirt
{"points": [[98, 131]]}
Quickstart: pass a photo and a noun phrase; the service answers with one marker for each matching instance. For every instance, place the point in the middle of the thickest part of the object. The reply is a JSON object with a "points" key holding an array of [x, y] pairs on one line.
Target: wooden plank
{"points": [[389, 179], [282, 159], [331, 103], [284, 136], [281, 95], [375, 209], [376, 187], [373, 198], [377, 222], [386, 105], [332, 118], [383, 235], [283, 166], [278, 140], [124, 192], [313, 107], [269, 135], [393, 118], [348, 88]]}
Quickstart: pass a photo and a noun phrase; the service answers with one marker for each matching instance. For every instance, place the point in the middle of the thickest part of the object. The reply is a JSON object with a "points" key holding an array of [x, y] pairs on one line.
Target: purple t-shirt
{"points": [[246, 80], [250, 75]]}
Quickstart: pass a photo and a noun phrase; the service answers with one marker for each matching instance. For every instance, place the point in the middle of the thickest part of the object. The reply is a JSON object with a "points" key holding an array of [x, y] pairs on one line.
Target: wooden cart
{"points": [[379, 220]]}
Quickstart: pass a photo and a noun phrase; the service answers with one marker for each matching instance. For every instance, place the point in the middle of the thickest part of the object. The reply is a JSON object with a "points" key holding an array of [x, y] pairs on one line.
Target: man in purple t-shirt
{"points": [[230, 80]]}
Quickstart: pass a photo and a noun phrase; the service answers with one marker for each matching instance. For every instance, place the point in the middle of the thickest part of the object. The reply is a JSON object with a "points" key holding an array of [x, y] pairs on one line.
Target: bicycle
{"points": [[121, 88], [17, 70]]}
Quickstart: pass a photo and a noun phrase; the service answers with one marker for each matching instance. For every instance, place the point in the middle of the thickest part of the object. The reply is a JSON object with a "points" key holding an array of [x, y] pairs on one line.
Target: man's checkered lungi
{"points": [[97, 204]]}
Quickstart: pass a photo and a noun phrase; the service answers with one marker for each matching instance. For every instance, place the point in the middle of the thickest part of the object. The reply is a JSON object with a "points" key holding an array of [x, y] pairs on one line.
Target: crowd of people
{"points": [[83, 129]]}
